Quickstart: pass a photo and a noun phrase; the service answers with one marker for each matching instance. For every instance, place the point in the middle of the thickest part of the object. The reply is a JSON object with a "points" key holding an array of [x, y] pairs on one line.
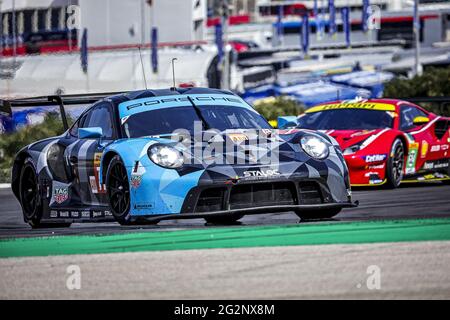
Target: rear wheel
{"points": [[118, 189], [30, 198], [395, 165], [317, 214], [224, 219]]}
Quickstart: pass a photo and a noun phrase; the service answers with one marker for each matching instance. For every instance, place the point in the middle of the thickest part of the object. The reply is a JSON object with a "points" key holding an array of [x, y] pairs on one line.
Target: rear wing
{"points": [[7, 106]]}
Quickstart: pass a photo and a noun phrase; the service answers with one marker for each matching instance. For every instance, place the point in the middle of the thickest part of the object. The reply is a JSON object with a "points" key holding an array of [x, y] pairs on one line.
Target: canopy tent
{"points": [[370, 80], [313, 93]]}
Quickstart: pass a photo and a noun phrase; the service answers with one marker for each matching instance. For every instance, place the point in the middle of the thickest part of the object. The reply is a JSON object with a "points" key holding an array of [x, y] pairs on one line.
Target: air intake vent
{"points": [[310, 193], [262, 194]]}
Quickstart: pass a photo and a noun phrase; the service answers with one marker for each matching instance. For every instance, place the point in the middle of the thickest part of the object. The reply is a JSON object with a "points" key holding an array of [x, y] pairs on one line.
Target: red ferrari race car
{"points": [[384, 141]]}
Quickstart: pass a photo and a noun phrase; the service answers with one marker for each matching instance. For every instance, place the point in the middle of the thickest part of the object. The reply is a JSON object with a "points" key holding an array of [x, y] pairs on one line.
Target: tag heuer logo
{"points": [[136, 180], [60, 194]]}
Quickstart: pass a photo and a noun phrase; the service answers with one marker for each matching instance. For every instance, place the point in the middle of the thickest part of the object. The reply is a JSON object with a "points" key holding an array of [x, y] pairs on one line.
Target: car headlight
{"points": [[352, 149], [315, 147], [166, 156]]}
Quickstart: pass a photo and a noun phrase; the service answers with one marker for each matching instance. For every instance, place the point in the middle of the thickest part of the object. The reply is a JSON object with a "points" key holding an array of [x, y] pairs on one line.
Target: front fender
{"points": [[153, 189], [129, 150]]}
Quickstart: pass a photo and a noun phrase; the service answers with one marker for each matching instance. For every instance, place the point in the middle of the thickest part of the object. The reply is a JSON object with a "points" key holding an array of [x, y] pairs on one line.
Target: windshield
{"points": [[167, 120], [346, 119]]}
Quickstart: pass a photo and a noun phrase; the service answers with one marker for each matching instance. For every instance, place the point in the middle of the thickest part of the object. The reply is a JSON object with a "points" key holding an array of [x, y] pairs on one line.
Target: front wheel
{"points": [[317, 214], [118, 190], [395, 165]]}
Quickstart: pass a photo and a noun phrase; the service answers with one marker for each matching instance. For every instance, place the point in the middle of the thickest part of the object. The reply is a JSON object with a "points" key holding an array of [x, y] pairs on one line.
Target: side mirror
{"points": [[90, 133], [285, 122], [418, 121]]}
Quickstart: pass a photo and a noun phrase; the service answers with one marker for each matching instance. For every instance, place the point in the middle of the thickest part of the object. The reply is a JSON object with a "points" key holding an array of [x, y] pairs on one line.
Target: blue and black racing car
{"points": [[150, 155]]}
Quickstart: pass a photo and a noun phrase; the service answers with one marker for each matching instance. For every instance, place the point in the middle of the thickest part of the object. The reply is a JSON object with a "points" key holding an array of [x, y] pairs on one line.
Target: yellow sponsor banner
{"points": [[353, 105]]}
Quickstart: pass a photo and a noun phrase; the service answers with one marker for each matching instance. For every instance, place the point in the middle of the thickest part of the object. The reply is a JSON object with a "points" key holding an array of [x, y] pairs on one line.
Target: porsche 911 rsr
{"points": [[151, 155], [384, 141]]}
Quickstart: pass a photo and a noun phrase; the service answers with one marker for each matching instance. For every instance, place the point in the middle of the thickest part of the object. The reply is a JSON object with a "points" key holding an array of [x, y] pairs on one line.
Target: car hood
{"points": [[347, 138]]}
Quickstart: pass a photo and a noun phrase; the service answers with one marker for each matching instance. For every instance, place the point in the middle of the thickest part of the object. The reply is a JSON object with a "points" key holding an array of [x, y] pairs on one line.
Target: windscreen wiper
{"points": [[199, 114]]}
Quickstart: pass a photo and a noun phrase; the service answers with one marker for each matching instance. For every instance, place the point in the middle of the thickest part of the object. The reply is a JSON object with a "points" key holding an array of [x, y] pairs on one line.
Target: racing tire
{"points": [[228, 219], [118, 190], [395, 165], [317, 214], [30, 199]]}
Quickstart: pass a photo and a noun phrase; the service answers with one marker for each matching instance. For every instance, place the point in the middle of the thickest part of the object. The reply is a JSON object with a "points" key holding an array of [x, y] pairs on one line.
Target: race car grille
{"points": [[309, 193], [262, 194], [210, 200], [255, 195]]}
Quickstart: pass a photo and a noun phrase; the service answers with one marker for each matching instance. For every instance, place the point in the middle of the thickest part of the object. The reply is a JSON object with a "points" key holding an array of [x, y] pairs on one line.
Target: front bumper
{"points": [[364, 174], [248, 211]]}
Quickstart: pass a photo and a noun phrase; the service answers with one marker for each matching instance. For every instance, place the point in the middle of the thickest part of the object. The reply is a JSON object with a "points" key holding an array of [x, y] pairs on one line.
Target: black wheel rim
{"points": [[397, 163], [119, 190], [29, 192]]}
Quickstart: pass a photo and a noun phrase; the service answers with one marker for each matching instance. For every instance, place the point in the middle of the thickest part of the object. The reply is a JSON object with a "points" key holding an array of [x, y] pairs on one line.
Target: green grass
{"points": [[235, 237]]}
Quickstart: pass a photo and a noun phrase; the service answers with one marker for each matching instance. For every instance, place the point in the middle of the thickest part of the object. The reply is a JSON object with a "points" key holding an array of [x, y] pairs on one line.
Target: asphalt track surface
{"points": [[409, 201]]}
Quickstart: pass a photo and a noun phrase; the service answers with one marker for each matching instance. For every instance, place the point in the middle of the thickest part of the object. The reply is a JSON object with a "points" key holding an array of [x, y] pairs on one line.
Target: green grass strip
{"points": [[233, 237]]}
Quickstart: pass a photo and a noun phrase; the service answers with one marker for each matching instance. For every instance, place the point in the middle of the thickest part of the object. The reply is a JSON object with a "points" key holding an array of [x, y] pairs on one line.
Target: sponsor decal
{"points": [[435, 148], [237, 137], [375, 158], [108, 213], [135, 180], [412, 157], [261, 173], [53, 214], [143, 206], [424, 149], [60, 194], [136, 175], [435, 165], [64, 214], [74, 214], [85, 214], [377, 167], [438, 147], [375, 181], [358, 105], [368, 174], [94, 181], [159, 101], [94, 184], [428, 165], [97, 214]]}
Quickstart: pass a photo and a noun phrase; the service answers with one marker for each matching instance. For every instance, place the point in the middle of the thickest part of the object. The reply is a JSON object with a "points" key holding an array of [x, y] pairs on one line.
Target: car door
{"points": [[423, 136], [85, 158]]}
